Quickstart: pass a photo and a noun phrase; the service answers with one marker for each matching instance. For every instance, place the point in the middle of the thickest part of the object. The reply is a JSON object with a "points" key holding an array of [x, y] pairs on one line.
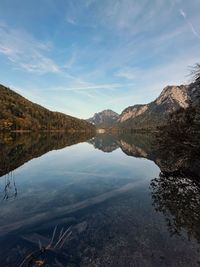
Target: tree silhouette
{"points": [[10, 188], [195, 72]]}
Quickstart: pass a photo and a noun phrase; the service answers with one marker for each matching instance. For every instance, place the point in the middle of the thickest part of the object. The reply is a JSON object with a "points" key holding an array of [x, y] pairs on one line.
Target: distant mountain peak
{"points": [[108, 112], [105, 118]]}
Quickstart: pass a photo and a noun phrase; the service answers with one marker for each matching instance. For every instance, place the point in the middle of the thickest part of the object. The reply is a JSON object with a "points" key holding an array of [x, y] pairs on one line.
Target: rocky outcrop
{"points": [[177, 96], [132, 112]]}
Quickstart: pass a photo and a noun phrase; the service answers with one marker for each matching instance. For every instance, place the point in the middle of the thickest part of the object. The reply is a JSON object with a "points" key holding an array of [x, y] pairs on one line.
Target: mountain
{"points": [[18, 113], [155, 114], [105, 118]]}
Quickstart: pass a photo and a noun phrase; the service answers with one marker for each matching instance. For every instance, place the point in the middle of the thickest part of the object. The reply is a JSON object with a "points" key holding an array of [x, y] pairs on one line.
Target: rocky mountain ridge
{"points": [[156, 113]]}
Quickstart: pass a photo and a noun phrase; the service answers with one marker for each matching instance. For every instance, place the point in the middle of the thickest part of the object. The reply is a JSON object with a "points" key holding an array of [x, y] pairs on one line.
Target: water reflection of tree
{"points": [[177, 196], [10, 188], [18, 148]]}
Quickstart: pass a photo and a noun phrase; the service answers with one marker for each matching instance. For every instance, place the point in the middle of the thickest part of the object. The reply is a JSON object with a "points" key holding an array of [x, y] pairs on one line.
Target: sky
{"points": [[83, 56]]}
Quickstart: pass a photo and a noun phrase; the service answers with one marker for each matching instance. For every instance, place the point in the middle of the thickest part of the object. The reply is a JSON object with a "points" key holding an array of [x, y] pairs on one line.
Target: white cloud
{"points": [[182, 13], [6, 51], [25, 52], [193, 30], [142, 42], [92, 87], [71, 20], [133, 17], [128, 73], [71, 61]]}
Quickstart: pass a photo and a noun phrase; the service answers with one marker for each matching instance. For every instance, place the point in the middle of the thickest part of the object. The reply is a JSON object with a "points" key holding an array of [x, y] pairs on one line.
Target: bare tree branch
{"points": [[195, 72]]}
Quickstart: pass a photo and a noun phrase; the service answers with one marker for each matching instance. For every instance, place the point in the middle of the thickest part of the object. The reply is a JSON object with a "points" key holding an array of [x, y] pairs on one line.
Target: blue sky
{"points": [[82, 56]]}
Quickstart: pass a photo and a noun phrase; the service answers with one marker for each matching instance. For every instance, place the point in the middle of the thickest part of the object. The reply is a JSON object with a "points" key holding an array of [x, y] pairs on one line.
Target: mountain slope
{"points": [[156, 113], [18, 113], [184, 124], [105, 118]]}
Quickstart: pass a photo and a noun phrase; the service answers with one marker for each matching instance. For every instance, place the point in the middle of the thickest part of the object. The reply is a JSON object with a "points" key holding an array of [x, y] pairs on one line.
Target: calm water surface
{"points": [[100, 201]]}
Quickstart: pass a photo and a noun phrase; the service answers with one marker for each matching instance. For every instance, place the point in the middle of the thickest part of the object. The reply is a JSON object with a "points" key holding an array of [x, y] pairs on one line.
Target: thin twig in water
{"points": [[33, 258], [54, 232], [61, 238]]}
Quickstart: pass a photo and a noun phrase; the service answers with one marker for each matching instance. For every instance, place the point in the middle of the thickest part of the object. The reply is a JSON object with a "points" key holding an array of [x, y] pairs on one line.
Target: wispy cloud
{"points": [[128, 73], [93, 87], [71, 61], [128, 53], [71, 20], [184, 15], [25, 52]]}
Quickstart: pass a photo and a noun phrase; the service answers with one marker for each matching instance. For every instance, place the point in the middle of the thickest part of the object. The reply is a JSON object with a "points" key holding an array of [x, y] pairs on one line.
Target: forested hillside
{"points": [[18, 113]]}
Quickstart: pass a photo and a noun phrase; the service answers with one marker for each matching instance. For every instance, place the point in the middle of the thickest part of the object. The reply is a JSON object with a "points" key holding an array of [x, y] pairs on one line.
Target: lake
{"points": [[108, 200]]}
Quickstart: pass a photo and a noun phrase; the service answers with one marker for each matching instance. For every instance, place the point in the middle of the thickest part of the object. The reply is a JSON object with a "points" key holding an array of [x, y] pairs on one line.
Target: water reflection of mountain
{"points": [[169, 155], [105, 142], [176, 192], [16, 149], [109, 220]]}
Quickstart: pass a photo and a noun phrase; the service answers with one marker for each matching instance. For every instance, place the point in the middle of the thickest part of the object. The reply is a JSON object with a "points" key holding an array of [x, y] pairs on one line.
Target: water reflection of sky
{"points": [[60, 179], [105, 198]]}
